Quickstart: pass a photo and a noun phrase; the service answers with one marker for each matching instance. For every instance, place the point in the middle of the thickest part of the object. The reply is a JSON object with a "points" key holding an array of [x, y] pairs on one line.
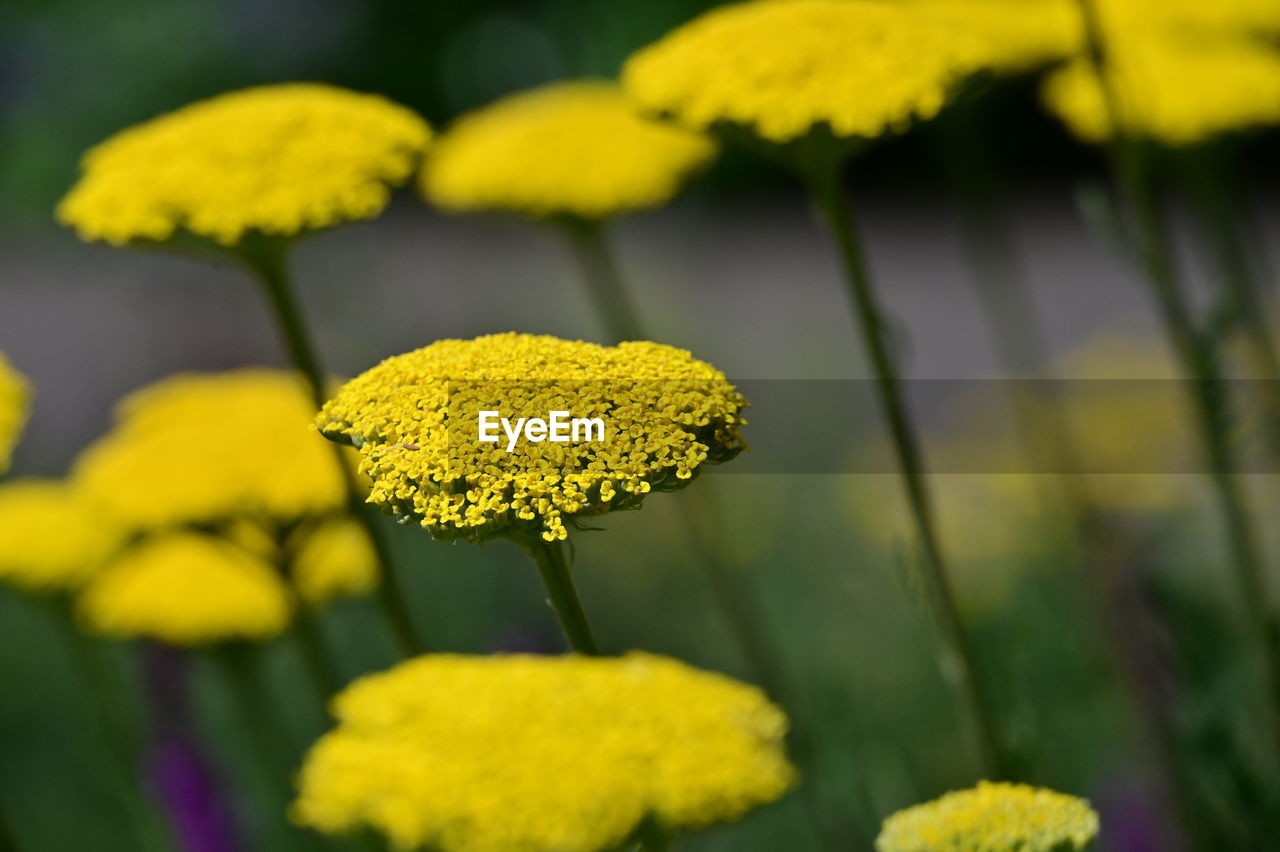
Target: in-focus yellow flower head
{"points": [[1011, 36], [274, 159], [204, 448], [780, 68], [992, 818], [51, 540], [186, 589], [1174, 90], [15, 405], [415, 419], [335, 559], [541, 754], [574, 149]]}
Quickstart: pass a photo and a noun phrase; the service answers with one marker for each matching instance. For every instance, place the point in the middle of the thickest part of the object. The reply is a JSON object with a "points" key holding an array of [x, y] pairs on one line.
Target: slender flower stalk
{"points": [[1199, 359], [603, 281], [959, 661], [267, 259], [549, 556]]}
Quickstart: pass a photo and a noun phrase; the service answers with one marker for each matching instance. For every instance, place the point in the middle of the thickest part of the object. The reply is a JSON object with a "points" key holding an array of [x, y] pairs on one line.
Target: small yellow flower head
{"points": [[203, 448], [570, 149], [780, 68], [15, 405], [1012, 36], [992, 818], [541, 754], [415, 419], [1171, 90], [274, 159], [50, 539], [336, 559], [186, 589]]}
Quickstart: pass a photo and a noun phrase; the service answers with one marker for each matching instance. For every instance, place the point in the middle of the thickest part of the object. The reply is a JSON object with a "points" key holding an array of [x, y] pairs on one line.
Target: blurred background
{"points": [[738, 271]]}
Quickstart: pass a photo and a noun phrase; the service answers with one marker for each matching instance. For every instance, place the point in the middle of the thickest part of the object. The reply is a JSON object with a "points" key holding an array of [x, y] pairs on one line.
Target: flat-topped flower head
{"points": [[1012, 36], [541, 754], [15, 405], [204, 448], [51, 539], [1172, 90], [780, 68], [277, 160], [992, 817], [417, 421], [186, 589], [331, 560], [575, 149]]}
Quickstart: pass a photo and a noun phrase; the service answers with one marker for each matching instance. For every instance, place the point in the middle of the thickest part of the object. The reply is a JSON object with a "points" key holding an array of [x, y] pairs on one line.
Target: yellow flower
{"points": [[50, 538], [15, 404], [275, 159], [992, 818], [1174, 90], [202, 448], [570, 149], [186, 589], [415, 419], [1123, 18], [336, 559], [1011, 36], [780, 68], [541, 754]]}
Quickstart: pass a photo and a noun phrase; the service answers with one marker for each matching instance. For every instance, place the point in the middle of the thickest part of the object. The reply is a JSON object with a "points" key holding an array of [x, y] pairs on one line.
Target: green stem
{"points": [[603, 281], [554, 568], [959, 660], [1199, 361], [118, 730], [268, 261]]}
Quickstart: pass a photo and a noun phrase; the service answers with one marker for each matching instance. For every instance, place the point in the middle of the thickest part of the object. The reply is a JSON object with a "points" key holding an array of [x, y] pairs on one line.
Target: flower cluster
{"points": [[992, 818], [569, 149], [187, 589], [15, 402], [51, 539], [275, 159], [1175, 90], [414, 419], [1011, 36], [204, 448], [861, 68], [333, 560], [541, 754]]}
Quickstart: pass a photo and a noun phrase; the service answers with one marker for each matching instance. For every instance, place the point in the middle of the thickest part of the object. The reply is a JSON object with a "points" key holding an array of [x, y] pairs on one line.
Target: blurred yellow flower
{"points": [[992, 817], [50, 538], [1175, 90], [15, 405], [335, 559], [1123, 18], [415, 421], [570, 149], [541, 754], [202, 448], [1011, 36], [186, 589], [273, 159], [782, 67]]}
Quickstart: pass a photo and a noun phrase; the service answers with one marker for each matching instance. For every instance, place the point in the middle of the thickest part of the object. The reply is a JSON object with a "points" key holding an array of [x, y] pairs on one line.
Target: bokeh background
{"points": [[737, 270]]}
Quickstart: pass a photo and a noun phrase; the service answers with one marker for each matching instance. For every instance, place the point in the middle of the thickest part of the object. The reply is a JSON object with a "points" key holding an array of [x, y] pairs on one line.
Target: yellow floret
{"points": [[202, 448], [1011, 36], [541, 754], [570, 149], [781, 67], [415, 420], [992, 818], [273, 159], [15, 405], [336, 559], [186, 589], [50, 538], [1174, 90]]}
